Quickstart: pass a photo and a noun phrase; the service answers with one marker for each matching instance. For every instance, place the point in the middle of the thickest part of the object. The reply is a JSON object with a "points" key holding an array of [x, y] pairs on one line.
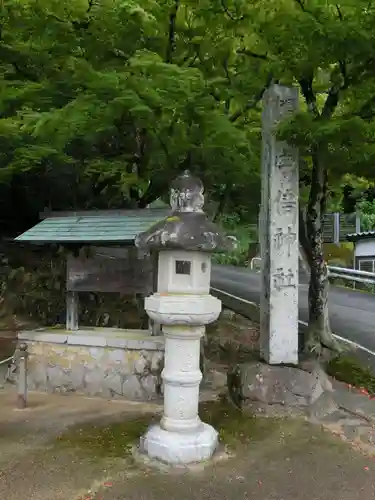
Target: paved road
{"points": [[352, 313]]}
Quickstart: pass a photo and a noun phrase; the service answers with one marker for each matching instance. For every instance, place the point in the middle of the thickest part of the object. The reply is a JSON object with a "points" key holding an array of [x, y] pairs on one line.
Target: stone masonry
{"points": [[131, 371]]}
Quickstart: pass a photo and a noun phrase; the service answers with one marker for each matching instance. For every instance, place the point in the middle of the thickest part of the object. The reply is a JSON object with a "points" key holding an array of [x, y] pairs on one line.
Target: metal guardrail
{"points": [[251, 311], [352, 275], [253, 262], [10, 362], [6, 360], [344, 273]]}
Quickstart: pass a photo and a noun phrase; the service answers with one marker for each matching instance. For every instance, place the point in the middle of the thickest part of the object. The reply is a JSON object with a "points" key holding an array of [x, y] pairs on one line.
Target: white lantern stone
{"points": [[183, 306]]}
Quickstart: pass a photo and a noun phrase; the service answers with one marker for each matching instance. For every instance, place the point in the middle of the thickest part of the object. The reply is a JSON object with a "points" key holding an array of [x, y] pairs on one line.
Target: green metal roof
{"points": [[92, 227]]}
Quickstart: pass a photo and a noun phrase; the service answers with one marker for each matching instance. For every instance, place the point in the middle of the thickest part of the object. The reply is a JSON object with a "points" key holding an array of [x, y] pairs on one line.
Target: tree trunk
{"points": [[319, 333]]}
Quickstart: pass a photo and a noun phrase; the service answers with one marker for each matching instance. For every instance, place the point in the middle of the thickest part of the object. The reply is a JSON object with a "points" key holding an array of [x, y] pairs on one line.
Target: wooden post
{"points": [[72, 311], [22, 376]]}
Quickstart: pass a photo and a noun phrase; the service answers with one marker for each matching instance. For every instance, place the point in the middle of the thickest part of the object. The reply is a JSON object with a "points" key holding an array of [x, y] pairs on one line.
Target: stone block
{"points": [[147, 343], [355, 404], [323, 407], [42, 336], [59, 379], [132, 389], [77, 377], [53, 338], [37, 376], [280, 385], [89, 340], [118, 357], [113, 382], [157, 362], [148, 385], [314, 367], [140, 364], [216, 380], [95, 370], [94, 382]]}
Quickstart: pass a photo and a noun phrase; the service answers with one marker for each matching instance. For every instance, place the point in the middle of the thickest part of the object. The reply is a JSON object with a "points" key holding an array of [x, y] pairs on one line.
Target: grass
{"points": [[347, 369], [115, 440]]}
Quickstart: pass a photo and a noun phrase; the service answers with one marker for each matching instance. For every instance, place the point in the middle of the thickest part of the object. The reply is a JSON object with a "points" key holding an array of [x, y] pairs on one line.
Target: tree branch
{"points": [[229, 14], [301, 4], [344, 73], [303, 236], [342, 62], [331, 102], [155, 189], [250, 53], [226, 70], [171, 46], [334, 92], [193, 58], [367, 111], [308, 93], [339, 13], [252, 104], [77, 25], [306, 11], [91, 4]]}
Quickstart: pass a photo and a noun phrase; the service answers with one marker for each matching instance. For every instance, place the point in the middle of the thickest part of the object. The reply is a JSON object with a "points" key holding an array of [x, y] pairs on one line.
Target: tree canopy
{"points": [[103, 102]]}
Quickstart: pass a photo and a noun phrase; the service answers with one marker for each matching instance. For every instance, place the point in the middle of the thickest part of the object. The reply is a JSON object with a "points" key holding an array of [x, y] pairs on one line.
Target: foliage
{"points": [[246, 236], [347, 369], [367, 210], [102, 103]]}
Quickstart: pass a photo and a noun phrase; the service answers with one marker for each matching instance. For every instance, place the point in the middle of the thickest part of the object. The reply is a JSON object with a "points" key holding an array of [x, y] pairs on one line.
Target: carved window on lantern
{"points": [[183, 267]]}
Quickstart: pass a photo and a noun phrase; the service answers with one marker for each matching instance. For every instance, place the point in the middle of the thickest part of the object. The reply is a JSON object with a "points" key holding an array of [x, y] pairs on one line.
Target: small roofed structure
{"points": [[364, 250], [109, 262], [109, 362]]}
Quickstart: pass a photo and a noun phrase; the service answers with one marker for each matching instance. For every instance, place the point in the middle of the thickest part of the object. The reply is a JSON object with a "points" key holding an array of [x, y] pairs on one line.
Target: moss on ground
{"points": [[347, 369], [234, 426], [115, 440]]}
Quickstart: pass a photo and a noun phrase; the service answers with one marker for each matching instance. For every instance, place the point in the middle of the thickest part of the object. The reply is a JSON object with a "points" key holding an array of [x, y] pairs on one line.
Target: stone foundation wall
{"points": [[126, 366]]}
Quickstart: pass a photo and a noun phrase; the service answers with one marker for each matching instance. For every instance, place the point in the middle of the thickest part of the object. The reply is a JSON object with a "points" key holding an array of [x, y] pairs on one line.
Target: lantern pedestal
{"points": [[181, 437], [180, 448]]}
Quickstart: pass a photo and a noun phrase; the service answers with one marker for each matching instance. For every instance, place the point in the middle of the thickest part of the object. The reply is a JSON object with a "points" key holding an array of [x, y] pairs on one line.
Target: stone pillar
{"points": [[183, 306], [279, 233]]}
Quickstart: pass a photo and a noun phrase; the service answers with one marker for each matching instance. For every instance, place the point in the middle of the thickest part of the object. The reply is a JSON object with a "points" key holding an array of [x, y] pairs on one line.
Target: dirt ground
{"points": [[75, 448], [34, 464], [70, 448]]}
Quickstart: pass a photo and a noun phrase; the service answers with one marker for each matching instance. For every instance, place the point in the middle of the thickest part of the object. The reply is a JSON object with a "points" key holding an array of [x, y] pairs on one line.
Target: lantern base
{"points": [[180, 448]]}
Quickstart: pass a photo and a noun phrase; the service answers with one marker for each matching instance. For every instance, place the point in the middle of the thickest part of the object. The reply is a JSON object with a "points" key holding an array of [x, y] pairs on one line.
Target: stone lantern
{"points": [[183, 306]]}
